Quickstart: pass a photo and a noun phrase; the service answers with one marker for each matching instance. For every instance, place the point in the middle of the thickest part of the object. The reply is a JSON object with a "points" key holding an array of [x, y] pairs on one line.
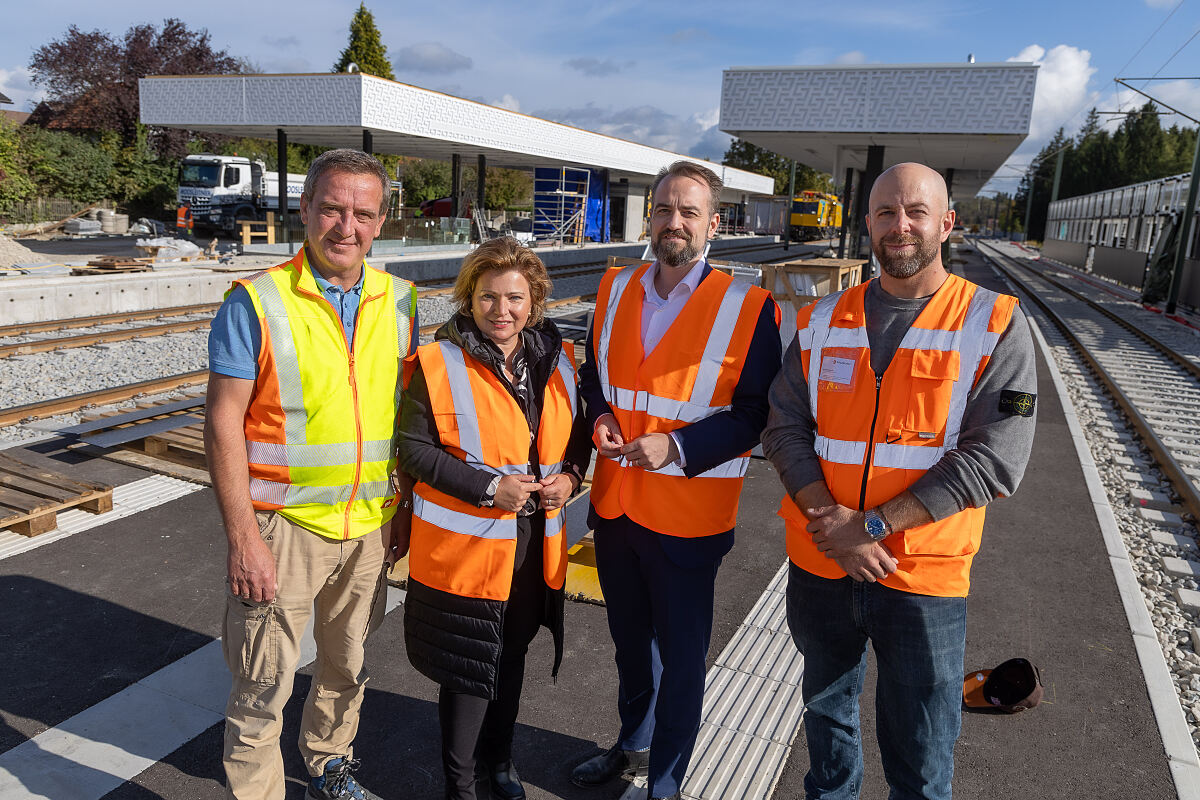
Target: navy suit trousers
{"points": [[658, 591]]}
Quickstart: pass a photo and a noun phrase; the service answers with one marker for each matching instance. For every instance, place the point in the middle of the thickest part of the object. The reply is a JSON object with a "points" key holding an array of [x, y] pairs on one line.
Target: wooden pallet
{"points": [[31, 497], [184, 445], [107, 265]]}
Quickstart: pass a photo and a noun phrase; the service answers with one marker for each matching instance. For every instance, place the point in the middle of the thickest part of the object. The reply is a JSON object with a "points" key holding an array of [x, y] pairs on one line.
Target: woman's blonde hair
{"points": [[502, 255]]}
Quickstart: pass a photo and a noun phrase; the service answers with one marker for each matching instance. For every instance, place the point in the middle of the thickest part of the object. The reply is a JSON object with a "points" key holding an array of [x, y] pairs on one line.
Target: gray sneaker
{"points": [[338, 783]]}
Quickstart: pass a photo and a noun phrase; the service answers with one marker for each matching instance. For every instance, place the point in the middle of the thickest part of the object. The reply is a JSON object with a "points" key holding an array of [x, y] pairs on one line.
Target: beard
{"points": [[674, 252], [905, 266]]}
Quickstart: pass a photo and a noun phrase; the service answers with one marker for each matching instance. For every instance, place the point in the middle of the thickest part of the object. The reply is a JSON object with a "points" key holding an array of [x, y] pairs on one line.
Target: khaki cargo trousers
{"points": [[344, 583]]}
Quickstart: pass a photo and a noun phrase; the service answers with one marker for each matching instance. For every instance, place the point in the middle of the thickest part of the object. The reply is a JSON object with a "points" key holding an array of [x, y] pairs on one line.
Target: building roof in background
{"points": [[333, 110]]}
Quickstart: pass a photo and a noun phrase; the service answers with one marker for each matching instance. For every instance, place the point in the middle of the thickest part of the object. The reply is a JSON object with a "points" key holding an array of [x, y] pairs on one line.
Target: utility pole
{"points": [[787, 228], [1185, 230], [1033, 167]]}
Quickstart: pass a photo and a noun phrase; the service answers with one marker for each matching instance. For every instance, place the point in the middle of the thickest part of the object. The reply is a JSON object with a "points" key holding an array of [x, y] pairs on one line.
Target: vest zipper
{"points": [[862, 495]]}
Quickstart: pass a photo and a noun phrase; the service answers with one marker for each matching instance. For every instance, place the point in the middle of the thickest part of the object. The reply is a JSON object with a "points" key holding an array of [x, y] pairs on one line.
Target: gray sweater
{"points": [[993, 447]]}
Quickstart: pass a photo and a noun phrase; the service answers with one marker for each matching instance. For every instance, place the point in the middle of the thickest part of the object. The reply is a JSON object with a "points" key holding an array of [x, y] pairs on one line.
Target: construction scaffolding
{"points": [[560, 197]]}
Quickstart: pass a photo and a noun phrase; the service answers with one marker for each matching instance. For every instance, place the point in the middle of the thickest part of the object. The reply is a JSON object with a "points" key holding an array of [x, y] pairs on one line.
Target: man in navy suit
{"points": [[679, 362]]}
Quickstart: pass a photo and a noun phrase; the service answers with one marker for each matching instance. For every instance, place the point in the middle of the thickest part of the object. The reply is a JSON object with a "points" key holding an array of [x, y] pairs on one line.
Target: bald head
{"points": [[908, 182], [908, 219]]}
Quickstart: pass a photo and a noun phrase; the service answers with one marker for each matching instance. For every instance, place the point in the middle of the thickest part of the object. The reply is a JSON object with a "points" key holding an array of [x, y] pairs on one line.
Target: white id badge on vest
{"points": [[838, 367]]}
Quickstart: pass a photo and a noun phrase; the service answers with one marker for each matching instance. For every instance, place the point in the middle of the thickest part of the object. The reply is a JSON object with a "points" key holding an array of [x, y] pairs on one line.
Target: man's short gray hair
{"points": [[698, 172], [346, 159]]}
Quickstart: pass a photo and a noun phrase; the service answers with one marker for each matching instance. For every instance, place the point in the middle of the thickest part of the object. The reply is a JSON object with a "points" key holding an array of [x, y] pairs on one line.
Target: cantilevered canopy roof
{"points": [[333, 110], [965, 117]]}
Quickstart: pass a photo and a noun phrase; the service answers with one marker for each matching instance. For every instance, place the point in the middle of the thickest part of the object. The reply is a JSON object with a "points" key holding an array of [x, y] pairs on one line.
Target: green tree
{"points": [[64, 165], [502, 188], [425, 179], [365, 47], [15, 185], [744, 155]]}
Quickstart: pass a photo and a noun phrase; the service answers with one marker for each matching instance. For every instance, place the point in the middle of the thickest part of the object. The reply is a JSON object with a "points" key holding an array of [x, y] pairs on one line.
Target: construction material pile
{"points": [[12, 253]]}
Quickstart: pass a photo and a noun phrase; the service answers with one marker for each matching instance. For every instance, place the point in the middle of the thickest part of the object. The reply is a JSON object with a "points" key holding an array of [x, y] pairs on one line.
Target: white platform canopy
{"points": [[965, 117], [333, 110]]}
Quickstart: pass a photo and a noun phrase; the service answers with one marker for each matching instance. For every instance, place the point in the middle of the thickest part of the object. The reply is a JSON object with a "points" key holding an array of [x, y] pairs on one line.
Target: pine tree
{"points": [[365, 48]]}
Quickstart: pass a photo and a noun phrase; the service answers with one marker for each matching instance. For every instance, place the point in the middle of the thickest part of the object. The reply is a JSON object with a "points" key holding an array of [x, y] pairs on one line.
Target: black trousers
{"points": [[474, 728]]}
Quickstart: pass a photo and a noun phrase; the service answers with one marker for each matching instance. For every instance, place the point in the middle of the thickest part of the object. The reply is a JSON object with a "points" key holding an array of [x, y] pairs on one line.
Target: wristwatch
{"points": [[876, 526]]}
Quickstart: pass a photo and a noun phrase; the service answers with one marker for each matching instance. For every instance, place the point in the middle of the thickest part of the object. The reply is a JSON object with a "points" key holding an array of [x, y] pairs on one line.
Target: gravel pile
{"points": [[12, 253]]}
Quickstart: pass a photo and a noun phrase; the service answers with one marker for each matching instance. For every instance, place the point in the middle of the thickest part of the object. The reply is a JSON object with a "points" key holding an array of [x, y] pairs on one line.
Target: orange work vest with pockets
{"points": [[466, 549], [876, 437], [687, 377]]}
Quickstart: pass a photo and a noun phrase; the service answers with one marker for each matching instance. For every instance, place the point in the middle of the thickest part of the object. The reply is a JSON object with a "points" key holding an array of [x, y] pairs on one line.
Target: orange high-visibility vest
{"points": [[462, 548], [690, 375], [875, 442], [320, 427], [183, 217]]}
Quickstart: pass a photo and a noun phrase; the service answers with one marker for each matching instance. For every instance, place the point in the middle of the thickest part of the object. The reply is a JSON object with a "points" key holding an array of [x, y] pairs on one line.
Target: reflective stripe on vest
{"points": [[683, 380], [698, 405], [973, 342], [904, 423], [320, 430], [459, 547]]}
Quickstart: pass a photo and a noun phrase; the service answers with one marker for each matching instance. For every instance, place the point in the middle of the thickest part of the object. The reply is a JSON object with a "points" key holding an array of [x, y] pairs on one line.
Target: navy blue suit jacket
{"points": [[712, 440]]}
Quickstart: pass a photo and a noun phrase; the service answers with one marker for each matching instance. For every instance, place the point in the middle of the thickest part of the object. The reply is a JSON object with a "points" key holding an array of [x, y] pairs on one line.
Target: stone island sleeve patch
{"points": [[1017, 403]]}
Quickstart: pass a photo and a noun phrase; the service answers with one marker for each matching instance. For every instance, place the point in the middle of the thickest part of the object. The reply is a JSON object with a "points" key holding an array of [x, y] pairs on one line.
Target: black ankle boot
{"points": [[506, 784]]}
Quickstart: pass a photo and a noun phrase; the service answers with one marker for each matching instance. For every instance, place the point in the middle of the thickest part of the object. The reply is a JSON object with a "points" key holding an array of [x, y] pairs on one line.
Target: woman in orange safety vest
{"points": [[487, 431]]}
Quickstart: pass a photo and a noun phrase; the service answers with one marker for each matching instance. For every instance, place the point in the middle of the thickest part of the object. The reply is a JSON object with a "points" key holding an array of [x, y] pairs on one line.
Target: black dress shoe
{"points": [[506, 784], [599, 770]]}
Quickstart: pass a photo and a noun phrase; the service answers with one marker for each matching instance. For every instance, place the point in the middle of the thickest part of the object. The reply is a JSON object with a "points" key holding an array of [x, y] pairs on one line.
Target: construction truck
{"points": [[224, 190], [815, 215]]}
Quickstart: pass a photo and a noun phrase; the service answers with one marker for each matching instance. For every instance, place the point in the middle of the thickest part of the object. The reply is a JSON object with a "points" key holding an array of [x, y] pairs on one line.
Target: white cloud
{"points": [[17, 85], [509, 102], [598, 68], [852, 57], [1062, 86], [430, 57], [1183, 95], [696, 135]]}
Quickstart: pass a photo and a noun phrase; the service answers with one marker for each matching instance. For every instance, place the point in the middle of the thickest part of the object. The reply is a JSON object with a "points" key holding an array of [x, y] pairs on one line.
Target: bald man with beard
{"points": [[903, 407]]}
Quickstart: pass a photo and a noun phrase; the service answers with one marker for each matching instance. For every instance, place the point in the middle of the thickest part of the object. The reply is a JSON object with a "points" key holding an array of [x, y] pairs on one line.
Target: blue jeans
{"points": [[919, 643]]}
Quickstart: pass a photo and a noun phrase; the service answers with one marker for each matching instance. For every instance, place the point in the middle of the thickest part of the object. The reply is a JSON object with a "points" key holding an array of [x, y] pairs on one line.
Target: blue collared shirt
{"points": [[235, 338]]}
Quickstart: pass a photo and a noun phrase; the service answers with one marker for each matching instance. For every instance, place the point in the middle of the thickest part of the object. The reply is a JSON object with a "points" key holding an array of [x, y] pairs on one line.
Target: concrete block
{"points": [[1189, 599], [1160, 517], [1174, 540], [1180, 568], [1150, 498], [1139, 476]]}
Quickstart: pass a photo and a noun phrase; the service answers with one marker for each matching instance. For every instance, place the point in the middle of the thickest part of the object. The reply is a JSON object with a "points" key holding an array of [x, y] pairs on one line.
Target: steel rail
{"points": [[1174, 472], [67, 405], [105, 319], [1146, 336], [89, 339]]}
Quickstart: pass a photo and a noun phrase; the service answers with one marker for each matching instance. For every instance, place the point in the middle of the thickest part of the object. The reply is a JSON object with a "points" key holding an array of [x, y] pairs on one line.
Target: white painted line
{"points": [[99, 749], [128, 499], [1172, 726]]}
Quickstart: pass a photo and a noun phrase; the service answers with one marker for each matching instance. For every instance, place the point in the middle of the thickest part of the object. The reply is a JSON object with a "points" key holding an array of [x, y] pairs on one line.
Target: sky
{"points": [[650, 71]]}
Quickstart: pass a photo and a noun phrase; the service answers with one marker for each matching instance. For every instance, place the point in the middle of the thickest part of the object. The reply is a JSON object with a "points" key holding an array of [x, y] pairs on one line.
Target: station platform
{"points": [[112, 685], [52, 293]]}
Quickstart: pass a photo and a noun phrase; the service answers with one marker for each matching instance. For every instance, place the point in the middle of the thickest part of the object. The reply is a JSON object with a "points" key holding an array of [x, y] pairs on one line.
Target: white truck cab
{"points": [[223, 190]]}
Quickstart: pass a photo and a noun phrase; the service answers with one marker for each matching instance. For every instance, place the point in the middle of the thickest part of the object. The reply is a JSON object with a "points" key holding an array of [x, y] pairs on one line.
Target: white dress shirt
{"points": [[658, 313]]}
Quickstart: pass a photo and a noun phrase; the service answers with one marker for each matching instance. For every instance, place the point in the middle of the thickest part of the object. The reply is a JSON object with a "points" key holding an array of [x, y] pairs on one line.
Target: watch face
{"points": [[875, 527]]}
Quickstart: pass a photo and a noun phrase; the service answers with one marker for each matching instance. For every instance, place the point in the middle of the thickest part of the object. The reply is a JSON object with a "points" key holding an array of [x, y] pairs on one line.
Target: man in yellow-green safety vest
{"points": [[303, 396]]}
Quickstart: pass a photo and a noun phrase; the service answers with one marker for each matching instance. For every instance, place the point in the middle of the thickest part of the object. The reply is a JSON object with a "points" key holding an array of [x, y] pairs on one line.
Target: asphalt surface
{"points": [[92, 613]]}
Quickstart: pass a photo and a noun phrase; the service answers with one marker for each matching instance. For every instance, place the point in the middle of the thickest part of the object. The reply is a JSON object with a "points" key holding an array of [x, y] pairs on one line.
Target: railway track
{"points": [[145, 331], [1155, 385], [74, 403]]}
